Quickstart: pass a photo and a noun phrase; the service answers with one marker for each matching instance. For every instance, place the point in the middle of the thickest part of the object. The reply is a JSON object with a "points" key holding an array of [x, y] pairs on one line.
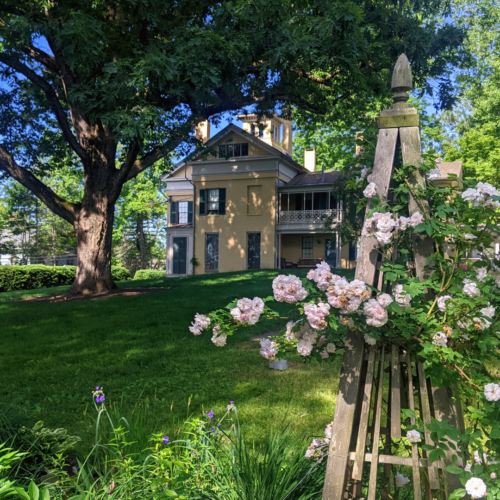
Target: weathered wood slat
{"points": [[366, 265], [395, 393], [344, 416], [372, 486], [357, 472], [394, 460], [446, 409], [411, 149], [425, 411], [417, 489]]}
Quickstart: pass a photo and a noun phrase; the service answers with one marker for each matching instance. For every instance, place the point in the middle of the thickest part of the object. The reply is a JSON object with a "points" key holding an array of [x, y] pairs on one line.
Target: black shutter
{"points": [[352, 250], [244, 149], [222, 201], [190, 212], [173, 212], [203, 202]]}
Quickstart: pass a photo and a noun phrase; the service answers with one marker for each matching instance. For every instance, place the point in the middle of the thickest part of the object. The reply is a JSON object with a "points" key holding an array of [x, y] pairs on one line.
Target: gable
{"points": [[254, 149]]}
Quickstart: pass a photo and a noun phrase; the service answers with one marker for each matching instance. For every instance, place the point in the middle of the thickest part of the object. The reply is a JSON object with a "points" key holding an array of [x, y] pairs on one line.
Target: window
{"points": [[320, 201], [253, 251], [213, 201], [276, 133], [261, 132], [252, 129], [233, 150], [309, 201], [307, 247], [353, 250], [181, 212], [212, 252], [254, 200]]}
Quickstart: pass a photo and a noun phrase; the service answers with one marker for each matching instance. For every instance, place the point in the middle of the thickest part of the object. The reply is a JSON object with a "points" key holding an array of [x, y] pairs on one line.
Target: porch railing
{"points": [[307, 216]]}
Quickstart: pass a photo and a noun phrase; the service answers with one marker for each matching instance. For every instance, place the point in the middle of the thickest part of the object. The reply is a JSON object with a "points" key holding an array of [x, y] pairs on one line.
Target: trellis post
{"points": [[398, 128]]}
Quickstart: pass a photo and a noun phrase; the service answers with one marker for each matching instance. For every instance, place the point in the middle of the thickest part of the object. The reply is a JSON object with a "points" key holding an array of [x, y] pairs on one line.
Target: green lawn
{"points": [[139, 349]]}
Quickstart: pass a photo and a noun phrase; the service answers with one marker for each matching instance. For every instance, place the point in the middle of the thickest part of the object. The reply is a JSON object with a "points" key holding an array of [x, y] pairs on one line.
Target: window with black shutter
{"points": [[173, 212], [353, 250], [222, 201], [203, 202], [244, 149], [213, 201]]}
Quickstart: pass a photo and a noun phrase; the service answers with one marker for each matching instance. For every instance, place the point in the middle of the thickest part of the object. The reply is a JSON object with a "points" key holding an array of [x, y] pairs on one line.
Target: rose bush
{"points": [[447, 319]]}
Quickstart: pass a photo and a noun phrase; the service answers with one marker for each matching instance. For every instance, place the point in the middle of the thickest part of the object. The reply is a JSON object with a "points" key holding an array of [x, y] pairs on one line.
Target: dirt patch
{"points": [[119, 292]]}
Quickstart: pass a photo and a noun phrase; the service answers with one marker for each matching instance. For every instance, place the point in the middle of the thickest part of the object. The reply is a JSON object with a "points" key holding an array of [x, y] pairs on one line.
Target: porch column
{"points": [[279, 251]]}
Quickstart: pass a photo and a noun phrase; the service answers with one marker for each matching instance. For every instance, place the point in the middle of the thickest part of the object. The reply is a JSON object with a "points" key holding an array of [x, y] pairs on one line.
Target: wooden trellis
{"points": [[375, 379]]}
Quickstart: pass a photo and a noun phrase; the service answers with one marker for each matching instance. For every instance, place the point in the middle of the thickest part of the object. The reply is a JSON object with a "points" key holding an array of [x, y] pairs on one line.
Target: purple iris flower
{"points": [[165, 439], [210, 414], [213, 430], [100, 399]]}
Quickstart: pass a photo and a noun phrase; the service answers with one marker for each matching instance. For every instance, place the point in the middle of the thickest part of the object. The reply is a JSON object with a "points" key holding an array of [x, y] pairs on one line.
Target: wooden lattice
{"points": [[366, 397]]}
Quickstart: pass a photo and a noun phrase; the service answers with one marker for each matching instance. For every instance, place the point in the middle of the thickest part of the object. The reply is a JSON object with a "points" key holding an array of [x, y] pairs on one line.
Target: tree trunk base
{"points": [[91, 286]]}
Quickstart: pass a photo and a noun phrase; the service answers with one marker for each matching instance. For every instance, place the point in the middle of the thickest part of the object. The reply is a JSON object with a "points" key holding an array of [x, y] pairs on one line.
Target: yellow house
{"points": [[250, 205]]}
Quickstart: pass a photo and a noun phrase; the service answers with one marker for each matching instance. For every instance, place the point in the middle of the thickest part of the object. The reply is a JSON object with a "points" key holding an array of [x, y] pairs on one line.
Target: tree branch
{"points": [[52, 98], [314, 78], [68, 211], [160, 152], [42, 57]]}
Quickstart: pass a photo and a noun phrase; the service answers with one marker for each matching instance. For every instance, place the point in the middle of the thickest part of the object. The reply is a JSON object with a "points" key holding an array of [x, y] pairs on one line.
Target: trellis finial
{"points": [[401, 79]]}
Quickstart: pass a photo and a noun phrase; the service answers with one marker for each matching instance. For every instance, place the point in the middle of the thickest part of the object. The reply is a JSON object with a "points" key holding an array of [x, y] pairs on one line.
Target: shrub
{"points": [[40, 276], [148, 274]]}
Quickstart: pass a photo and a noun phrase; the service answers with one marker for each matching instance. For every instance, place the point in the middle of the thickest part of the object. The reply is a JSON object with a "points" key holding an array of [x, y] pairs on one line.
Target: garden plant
{"points": [[447, 319]]}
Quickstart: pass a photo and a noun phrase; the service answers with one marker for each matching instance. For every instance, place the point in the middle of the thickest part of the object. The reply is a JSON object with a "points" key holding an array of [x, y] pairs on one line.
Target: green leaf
{"points": [[33, 491], [454, 469], [171, 493], [460, 493], [407, 412]]}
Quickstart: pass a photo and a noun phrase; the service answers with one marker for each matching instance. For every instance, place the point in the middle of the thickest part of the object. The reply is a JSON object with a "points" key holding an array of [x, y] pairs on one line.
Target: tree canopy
{"points": [[114, 87]]}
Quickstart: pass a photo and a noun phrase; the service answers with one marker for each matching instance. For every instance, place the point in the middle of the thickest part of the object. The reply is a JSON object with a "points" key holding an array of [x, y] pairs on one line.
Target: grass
{"points": [[52, 355]]}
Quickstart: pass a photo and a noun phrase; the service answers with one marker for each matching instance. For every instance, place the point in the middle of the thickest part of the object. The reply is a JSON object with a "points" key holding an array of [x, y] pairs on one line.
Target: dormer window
{"points": [[232, 150], [276, 133]]}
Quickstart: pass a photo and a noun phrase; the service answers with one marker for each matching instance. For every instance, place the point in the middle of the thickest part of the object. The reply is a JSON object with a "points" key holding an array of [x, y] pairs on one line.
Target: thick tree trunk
{"points": [[94, 230]]}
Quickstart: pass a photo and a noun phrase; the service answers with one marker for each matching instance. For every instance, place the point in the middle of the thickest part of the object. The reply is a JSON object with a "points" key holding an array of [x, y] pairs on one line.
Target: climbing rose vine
{"points": [[448, 319]]}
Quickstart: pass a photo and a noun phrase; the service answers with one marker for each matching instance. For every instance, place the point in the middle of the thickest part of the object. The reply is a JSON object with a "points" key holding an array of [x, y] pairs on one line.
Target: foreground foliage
{"points": [[208, 458], [446, 315]]}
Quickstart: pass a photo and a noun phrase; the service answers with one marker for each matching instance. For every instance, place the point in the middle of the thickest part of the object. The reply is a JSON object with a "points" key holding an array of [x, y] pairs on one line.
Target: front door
{"points": [[253, 246], [331, 252], [180, 252]]}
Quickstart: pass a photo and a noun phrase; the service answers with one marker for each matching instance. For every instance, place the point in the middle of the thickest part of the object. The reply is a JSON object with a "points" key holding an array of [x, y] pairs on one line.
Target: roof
{"points": [[251, 138], [314, 178]]}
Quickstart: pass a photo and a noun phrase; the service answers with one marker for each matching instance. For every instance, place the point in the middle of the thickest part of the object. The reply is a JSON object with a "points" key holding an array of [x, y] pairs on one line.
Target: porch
{"points": [[306, 249], [307, 210]]}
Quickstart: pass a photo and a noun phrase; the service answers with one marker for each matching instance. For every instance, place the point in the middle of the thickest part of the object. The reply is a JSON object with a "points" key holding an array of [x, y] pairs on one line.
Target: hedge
{"points": [[148, 274], [39, 276]]}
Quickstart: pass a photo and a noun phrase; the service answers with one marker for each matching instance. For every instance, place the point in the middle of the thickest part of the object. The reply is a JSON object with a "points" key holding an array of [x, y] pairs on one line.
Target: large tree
{"points": [[122, 84]]}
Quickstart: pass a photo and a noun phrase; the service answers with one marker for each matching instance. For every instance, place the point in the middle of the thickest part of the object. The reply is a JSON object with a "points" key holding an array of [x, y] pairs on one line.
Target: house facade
{"points": [[250, 205]]}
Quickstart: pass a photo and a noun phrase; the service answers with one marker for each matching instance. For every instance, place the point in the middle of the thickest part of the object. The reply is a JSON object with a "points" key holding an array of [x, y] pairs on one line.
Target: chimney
{"points": [[287, 136], [202, 131], [310, 159]]}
